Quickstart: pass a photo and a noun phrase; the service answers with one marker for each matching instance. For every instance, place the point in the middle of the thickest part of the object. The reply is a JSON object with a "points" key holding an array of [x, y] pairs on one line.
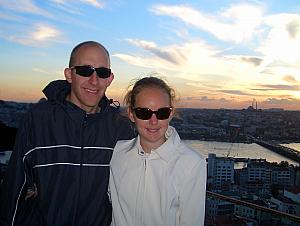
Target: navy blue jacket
{"points": [[65, 153]]}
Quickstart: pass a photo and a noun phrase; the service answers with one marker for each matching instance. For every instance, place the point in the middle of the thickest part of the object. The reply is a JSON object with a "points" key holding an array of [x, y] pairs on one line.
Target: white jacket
{"points": [[166, 187]]}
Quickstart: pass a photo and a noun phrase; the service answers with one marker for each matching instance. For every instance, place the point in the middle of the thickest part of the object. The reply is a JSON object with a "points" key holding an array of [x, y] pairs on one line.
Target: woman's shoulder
{"points": [[190, 156], [124, 146], [120, 152]]}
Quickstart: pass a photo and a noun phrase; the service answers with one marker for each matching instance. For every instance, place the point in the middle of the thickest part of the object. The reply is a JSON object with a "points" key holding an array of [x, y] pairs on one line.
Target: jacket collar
{"points": [[58, 90], [167, 150]]}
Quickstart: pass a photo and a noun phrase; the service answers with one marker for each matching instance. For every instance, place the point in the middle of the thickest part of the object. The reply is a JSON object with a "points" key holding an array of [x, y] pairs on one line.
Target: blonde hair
{"points": [[146, 82]]}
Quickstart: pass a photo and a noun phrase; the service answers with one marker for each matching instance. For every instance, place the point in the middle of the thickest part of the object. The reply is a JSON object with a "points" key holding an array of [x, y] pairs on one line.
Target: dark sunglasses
{"points": [[146, 113], [87, 71]]}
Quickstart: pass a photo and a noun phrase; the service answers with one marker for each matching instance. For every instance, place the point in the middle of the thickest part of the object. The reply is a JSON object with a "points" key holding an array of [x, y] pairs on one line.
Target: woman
{"points": [[155, 178]]}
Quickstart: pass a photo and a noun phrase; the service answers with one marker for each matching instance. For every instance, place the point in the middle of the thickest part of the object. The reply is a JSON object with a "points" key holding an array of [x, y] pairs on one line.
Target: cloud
{"points": [[191, 60], [41, 71], [41, 34], [237, 23], [95, 3], [69, 3], [254, 60], [281, 102], [290, 79], [24, 6], [201, 65], [293, 28], [275, 36], [7, 16], [173, 54], [207, 99], [278, 87], [281, 38], [235, 92]]}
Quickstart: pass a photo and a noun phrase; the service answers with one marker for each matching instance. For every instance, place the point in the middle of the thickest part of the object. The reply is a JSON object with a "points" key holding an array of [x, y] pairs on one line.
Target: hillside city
{"points": [[261, 193]]}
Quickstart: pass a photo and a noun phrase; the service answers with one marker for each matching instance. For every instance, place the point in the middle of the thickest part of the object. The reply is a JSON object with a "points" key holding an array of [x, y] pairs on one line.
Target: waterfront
{"points": [[240, 150]]}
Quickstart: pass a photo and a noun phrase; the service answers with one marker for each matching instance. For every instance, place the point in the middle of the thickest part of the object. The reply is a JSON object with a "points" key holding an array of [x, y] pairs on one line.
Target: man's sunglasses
{"points": [[87, 71], [146, 113]]}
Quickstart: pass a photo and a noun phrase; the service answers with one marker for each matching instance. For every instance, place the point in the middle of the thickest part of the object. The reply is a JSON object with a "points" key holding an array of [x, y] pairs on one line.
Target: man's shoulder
{"points": [[41, 107]]}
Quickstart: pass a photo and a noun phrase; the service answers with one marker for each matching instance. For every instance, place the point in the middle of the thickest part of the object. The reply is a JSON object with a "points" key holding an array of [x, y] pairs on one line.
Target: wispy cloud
{"points": [[173, 54], [282, 38], [41, 71], [235, 92], [267, 87], [241, 20], [24, 6], [293, 28], [256, 61], [207, 99], [57, 73], [281, 102], [10, 17], [95, 3], [290, 79], [40, 34]]}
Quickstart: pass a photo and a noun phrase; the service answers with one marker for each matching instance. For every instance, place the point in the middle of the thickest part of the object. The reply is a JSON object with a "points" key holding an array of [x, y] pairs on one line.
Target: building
{"points": [[220, 172]]}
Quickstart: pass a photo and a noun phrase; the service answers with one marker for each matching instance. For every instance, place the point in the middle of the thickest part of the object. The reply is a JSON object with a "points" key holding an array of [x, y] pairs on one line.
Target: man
{"points": [[59, 170]]}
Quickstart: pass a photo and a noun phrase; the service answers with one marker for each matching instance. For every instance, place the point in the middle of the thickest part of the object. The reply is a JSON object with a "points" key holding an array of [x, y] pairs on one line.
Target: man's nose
{"points": [[93, 79]]}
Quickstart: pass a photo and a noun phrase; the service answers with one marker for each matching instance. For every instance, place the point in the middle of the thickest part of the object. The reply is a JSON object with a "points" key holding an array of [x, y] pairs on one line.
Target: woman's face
{"points": [[151, 131]]}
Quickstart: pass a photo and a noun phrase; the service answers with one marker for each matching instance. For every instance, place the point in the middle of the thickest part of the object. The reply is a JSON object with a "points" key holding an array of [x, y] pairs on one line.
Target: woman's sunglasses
{"points": [[87, 71], [146, 113]]}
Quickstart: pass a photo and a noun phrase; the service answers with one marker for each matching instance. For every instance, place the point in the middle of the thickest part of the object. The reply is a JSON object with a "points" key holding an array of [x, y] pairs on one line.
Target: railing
{"points": [[274, 212]]}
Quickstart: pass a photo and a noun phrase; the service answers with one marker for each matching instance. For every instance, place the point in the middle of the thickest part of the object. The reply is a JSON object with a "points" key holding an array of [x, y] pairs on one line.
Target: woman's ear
{"points": [[130, 114], [171, 115]]}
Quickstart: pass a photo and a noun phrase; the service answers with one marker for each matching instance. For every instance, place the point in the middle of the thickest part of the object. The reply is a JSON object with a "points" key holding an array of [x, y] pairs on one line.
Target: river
{"points": [[241, 150]]}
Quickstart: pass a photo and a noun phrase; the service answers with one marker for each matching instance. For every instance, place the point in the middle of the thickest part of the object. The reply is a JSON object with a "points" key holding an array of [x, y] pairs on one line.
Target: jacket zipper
{"points": [[80, 167], [144, 186]]}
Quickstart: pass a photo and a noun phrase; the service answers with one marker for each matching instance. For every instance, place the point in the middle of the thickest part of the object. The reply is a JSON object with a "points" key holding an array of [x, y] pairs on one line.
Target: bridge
{"points": [[279, 149]]}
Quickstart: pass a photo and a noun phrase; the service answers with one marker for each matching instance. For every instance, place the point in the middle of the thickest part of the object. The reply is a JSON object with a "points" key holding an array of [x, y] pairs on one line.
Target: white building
{"points": [[220, 171]]}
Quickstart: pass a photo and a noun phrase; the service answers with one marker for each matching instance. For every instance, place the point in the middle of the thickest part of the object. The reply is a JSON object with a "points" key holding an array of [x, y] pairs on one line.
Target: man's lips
{"points": [[94, 91]]}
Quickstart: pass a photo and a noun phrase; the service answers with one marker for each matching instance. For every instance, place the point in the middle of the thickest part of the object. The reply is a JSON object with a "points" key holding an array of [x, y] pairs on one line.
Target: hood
{"points": [[57, 90]]}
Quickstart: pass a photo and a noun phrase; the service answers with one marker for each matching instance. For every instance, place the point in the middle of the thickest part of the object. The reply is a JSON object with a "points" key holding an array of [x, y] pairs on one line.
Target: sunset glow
{"points": [[216, 54]]}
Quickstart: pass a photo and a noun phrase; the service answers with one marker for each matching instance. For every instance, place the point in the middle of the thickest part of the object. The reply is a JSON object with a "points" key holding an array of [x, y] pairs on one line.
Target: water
{"points": [[295, 146], [239, 150]]}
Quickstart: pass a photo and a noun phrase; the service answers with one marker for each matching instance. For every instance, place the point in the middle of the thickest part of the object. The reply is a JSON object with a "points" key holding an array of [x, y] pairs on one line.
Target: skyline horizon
{"points": [[214, 54], [177, 107]]}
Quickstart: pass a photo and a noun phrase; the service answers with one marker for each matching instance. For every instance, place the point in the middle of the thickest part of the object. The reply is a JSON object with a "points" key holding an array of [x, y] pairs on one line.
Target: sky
{"points": [[214, 53]]}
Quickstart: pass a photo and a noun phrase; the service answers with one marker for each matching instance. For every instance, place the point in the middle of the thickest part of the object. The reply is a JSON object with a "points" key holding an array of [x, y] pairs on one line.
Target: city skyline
{"points": [[215, 54]]}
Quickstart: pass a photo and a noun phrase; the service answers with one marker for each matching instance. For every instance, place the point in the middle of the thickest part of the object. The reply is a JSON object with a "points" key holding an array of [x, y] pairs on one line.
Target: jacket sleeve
{"points": [[14, 184], [192, 197]]}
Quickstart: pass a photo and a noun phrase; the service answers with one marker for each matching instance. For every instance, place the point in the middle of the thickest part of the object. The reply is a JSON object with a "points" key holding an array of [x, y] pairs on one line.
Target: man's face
{"points": [[86, 92]]}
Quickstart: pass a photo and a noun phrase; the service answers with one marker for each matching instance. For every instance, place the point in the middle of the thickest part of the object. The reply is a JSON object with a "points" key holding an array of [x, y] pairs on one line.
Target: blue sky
{"points": [[216, 54]]}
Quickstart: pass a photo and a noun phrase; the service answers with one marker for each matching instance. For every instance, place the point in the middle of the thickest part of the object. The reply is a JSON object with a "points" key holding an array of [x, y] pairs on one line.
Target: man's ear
{"points": [[68, 74], [110, 79], [130, 114]]}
